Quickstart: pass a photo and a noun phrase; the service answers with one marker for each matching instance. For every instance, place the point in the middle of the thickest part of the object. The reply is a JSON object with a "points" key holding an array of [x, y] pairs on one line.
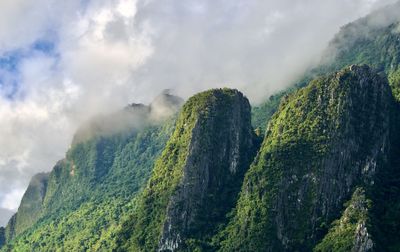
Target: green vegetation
{"points": [[90, 191], [91, 227], [202, 133], [291, 168], [345, 232], [2, 236], [261, 114], [167, 173], [31, 205], [334, 141], [356, 43], [361, 43]]}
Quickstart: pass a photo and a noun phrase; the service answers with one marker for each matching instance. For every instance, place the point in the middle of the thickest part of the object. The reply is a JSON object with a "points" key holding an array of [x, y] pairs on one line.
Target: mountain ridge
{"points": [[320, 172], [99, 160], [191, 192], [315, 129]]}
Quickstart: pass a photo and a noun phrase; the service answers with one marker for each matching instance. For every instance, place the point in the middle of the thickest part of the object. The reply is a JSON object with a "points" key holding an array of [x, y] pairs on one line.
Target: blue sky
{"points": [[10, 63], [61, 62]]}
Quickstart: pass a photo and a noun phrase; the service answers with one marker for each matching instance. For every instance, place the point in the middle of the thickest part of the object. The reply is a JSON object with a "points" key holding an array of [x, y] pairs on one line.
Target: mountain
{"points": [[373, 40], [314, 168], [325, 177], [30, 207], [325, 141], [351, 232], [110, 159], [196, 180]]}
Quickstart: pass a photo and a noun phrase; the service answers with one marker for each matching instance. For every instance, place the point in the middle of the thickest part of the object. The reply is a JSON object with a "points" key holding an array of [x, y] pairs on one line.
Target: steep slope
{"points": [[351, 231], [330, 143], [373, 40], [30, 207], [110, 159], [324, 141], [371, 220], [196, 180]]}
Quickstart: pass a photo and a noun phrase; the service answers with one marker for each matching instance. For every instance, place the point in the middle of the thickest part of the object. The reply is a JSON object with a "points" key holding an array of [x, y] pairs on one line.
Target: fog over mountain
{"points": [[5, 216], [63, 62]]}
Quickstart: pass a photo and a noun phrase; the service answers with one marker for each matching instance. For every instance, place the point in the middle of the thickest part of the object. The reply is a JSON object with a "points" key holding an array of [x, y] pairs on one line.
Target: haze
{"points": [[63, 62]]}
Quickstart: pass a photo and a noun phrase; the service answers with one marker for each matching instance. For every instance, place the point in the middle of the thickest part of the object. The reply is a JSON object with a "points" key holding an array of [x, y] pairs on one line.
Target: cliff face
{"points": [[324, 141], [110, 159], [351, 232], [220, 151], [196, 180], [30, 207], [326, 177]]}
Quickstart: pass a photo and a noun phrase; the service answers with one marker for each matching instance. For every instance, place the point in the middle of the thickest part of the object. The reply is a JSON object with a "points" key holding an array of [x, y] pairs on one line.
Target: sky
{"points": [[61, 62]]}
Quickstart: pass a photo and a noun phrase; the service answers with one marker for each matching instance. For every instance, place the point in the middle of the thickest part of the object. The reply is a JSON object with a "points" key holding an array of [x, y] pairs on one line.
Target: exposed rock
{"points": [[350, 232], [196, 180], [219, 154], [325, 140], [363, 240]]}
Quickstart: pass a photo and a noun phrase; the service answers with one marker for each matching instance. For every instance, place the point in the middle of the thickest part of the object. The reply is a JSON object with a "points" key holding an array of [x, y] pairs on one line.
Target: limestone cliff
{"points": [[196, 180], [324, 141]]}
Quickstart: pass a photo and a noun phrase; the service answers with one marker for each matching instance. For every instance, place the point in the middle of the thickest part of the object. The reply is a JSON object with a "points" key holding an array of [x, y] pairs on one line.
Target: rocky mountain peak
{"points": [[196, 180], [324, 141]]}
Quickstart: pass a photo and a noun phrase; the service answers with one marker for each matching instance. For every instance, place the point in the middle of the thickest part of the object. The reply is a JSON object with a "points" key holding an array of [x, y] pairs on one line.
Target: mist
{"points": [[130, 119], [61, 63], [5, 215]]}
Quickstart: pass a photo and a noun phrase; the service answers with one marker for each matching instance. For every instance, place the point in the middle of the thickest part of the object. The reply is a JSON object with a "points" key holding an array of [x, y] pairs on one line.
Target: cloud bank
{"points": [[63, 62]]}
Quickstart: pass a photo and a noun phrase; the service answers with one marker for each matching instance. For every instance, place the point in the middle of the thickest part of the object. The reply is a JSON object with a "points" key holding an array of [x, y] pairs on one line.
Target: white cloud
{"points": [[256, 46], [9, 200], [89, 72], [110, 52], [127, 8], [5, 215]]}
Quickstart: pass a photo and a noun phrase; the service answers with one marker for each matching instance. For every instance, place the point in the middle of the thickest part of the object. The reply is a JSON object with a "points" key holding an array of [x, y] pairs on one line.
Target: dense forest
{"points": [[315, 167]]}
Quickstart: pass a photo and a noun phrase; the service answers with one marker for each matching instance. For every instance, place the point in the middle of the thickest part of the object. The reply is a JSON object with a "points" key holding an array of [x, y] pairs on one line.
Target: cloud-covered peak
{"points": [[61, 62]]}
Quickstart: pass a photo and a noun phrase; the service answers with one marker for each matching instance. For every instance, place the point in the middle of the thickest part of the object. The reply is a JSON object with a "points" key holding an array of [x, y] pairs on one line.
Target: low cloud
{"points": [[5, 216], [63, 62], [258, 47]]}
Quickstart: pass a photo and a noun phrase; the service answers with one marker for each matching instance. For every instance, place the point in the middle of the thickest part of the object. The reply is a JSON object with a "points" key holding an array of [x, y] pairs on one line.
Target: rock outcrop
{"points": [[196, 181], [350, 232], [326, 177], [324, 141]]}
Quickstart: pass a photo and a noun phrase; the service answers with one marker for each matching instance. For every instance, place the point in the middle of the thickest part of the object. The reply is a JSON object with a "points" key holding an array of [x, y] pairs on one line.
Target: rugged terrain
{"points": [[314, 168]]}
